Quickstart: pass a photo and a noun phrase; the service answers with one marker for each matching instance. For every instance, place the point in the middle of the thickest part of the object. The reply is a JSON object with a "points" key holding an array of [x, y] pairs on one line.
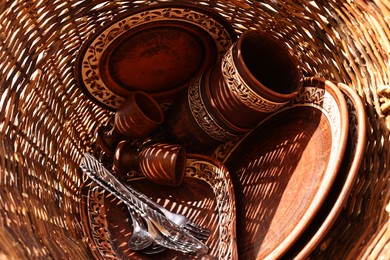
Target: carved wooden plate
{"points": [[343, 183], [157, 49], [206, 197], [283, 170]]}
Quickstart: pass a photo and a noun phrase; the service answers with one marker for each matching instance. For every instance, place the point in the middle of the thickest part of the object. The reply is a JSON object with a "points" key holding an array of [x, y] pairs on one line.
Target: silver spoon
{"points": [[153, 248], [140, 237]]}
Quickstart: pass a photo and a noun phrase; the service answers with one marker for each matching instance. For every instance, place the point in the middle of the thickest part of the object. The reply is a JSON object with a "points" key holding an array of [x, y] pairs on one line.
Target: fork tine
{"points": [[197, 235], [198, 228], [197, 231]]}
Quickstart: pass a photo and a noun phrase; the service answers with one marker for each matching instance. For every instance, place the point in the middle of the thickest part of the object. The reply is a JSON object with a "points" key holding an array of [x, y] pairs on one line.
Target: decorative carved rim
{"points": [[357, 135], [242, 91], [309, 95]]}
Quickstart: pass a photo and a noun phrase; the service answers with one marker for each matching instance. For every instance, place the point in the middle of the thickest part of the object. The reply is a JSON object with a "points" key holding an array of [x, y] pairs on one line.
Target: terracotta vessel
{"points": [[257, 76], [137, 117], [160, 163], [192, 122]]}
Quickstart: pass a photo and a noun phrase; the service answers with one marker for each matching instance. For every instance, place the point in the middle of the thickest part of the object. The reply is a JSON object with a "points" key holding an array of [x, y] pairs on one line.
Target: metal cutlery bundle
{"points": [[164, 228]]}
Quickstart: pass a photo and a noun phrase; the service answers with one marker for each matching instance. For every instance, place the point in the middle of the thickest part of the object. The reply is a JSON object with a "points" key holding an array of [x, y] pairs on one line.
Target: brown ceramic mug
{"points": [[160, 163], [136, 118], [256, 76]]}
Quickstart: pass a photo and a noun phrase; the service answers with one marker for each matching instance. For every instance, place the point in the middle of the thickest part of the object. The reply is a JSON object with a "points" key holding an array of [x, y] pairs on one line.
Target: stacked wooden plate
{"points": [[292, 175]]}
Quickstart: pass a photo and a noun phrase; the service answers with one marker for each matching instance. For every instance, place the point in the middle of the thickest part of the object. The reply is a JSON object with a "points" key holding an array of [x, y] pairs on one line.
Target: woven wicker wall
{"points": [[46, 122]]}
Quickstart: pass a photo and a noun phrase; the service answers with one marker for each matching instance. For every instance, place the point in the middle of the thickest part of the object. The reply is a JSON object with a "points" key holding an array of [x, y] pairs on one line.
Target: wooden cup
{"points": [[136, 118], [160, 163]]}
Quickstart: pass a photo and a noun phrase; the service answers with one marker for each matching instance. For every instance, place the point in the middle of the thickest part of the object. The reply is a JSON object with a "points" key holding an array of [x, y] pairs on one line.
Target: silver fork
{"points": [[180, 220]]}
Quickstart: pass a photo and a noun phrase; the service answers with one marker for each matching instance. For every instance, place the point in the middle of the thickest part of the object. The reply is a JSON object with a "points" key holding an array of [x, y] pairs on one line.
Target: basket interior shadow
{"points": [[46, 122]]}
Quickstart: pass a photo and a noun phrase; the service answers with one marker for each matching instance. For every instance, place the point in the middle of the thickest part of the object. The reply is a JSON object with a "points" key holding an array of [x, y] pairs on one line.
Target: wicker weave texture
{"points": [[46, 122]]}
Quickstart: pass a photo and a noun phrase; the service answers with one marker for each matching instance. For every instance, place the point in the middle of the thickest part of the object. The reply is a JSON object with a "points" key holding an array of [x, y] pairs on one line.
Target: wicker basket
{"points": [[46, 122]]}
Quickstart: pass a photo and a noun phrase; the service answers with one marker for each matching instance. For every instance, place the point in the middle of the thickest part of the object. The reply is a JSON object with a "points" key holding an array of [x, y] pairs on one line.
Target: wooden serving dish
{"points": [[206, 197]]}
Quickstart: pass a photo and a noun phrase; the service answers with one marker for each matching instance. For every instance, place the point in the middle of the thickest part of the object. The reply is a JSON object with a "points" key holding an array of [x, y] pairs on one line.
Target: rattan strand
{"points": [[46, 122]]}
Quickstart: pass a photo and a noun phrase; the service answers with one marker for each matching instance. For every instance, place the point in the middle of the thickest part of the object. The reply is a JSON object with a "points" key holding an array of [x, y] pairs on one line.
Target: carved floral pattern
{"points": [[98, 224], [323, 100], [241, 90], [218, 179], [202, 116]]}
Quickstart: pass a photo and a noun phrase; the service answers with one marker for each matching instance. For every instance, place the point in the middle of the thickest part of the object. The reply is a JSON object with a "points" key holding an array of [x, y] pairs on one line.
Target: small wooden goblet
{"points": [[160, 163], [137, 117]]}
